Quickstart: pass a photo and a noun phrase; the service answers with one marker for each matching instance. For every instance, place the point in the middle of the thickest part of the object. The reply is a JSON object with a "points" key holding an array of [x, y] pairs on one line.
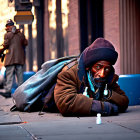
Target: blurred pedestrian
{"points": [[14, 43]]}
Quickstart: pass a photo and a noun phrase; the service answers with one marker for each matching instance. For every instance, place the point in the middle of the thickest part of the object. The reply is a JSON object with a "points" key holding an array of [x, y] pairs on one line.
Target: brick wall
{"points": [[112, 27], [73, 29], [46, 32]]}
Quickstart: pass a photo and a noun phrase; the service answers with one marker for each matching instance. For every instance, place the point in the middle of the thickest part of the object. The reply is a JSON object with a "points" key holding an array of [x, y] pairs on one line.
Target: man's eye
{"points": [[98, 67], [107, 69]]}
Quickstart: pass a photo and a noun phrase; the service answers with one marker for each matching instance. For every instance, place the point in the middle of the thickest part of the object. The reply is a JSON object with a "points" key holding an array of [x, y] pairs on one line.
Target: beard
{"points": [[100, 86], [97, 85], [99, 82]]}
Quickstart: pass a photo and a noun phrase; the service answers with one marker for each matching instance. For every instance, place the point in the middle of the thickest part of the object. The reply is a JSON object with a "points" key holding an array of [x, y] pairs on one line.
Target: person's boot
{"points": [[5, 93]]}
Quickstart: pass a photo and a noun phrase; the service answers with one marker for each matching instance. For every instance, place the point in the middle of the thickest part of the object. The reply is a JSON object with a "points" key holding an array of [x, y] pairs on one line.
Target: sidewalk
{"points": [[53, 126]]}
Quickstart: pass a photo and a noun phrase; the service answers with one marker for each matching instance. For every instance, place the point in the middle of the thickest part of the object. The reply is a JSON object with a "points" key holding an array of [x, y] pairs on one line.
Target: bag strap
{"points": [[72, 63], [13, 108]]}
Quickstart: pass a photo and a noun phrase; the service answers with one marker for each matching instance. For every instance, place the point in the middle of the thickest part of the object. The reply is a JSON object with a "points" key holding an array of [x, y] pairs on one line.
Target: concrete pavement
{"points": [[53, 126]]}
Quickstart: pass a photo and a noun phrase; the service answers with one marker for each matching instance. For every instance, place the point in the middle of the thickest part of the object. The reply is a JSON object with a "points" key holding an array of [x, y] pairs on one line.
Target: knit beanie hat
{"points": [[99, 50]]}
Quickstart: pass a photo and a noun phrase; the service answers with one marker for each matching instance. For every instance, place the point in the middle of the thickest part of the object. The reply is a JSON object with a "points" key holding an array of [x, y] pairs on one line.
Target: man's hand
{"points": [[2, 55], [109, 108], [105, 108]]}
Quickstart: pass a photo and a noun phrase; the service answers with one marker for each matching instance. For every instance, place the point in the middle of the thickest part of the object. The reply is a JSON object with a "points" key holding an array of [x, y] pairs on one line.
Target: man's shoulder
{"points": [[72, 66], [115, 78], [20, 34], [69, 69], [8, 35]]}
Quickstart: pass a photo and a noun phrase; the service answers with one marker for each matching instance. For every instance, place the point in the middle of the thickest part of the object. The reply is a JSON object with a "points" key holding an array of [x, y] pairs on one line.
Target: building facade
{"points": [[117, 20], [67, 27]]}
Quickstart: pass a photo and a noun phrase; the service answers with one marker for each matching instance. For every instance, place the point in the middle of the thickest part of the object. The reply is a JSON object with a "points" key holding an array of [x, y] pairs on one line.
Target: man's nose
{"points": [[102, 73]]}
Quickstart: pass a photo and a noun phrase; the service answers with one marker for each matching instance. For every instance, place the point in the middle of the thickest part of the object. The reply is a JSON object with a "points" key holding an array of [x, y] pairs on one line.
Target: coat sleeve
{"points": [[24, 40], [67, 98], [118, 96], [7, 38], [6, 43]]}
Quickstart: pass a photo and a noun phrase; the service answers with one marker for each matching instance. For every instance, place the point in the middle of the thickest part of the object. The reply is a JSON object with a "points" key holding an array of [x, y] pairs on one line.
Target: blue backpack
{"points": [[37, 92]]}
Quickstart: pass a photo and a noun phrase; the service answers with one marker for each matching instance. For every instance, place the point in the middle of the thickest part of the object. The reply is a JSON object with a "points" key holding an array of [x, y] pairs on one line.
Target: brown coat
{"points": [[70, 102], [15, 42]]}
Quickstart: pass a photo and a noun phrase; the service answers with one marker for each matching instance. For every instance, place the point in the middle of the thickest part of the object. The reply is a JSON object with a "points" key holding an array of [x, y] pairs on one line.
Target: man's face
{"points": [[8, 28], [101, 70]]}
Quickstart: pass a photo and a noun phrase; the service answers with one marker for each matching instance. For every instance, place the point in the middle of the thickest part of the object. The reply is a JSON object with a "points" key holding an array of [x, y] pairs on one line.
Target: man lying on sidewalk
{"points": [[93, 75]]}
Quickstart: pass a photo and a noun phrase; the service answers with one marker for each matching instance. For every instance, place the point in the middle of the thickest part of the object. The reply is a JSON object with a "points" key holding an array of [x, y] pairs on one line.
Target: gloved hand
{"points": [[105, 108], [109, 108]]}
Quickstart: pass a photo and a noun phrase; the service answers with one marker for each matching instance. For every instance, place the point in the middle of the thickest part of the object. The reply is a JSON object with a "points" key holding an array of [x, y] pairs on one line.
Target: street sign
{"points": [[24, 17], [23, 5]]}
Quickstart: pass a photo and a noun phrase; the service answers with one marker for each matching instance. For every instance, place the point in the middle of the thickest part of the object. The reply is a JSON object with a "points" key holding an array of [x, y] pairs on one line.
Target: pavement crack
{"points": [[32, 135], [134, 130]]}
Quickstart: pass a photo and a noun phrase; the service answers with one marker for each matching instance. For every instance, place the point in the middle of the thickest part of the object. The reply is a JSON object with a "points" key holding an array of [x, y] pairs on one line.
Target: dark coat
{"points": [[71, 102], [15, 42]]}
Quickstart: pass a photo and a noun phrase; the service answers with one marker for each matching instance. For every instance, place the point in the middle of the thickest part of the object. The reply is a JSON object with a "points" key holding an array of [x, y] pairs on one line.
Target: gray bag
{"points": [[39, 85]]}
